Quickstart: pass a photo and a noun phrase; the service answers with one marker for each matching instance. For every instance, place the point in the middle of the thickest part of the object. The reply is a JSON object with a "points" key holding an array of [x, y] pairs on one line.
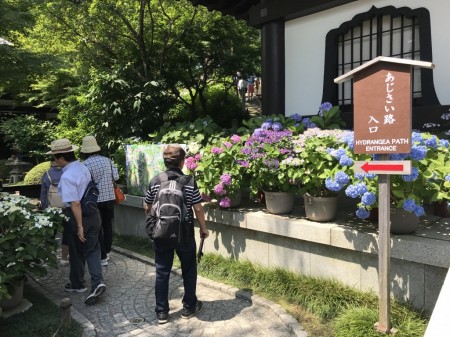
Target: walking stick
{"points": [[200, 250]]}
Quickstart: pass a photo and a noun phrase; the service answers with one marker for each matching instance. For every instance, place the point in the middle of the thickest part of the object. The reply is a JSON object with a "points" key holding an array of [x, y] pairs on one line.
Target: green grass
{"points": [[41, 320], [325, 308]]}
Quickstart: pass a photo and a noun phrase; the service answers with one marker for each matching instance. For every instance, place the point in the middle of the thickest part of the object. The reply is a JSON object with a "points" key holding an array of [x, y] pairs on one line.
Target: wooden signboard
{"points": [[382, 105]]}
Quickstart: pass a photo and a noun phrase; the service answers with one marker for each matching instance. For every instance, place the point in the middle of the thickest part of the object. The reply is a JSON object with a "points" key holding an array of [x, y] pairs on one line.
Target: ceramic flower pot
{"points": [[279, 202], [403, 222], [320, 208]]}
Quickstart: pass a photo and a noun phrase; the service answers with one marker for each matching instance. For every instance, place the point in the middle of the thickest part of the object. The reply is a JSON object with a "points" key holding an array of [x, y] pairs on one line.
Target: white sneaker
{"points": [[63, 263], [104, 262]]}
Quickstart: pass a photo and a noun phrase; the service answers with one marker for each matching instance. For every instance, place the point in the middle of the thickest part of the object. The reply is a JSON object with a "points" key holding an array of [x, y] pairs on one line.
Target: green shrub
{"points": [[34, 176], [224, 107]]}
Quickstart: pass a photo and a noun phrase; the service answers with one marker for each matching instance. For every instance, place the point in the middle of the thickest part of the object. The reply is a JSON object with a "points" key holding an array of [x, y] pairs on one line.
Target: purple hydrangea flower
{"points": [[225, 202], [219, 189], [266, 125], [243, 163], [225, 179]]}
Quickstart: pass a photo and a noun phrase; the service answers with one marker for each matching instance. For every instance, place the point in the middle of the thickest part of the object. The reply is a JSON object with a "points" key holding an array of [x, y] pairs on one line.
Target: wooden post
{"points": [[66, 317], [384, 250]]}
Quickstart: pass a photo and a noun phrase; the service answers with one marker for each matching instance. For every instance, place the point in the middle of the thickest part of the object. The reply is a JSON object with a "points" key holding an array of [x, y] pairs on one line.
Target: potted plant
{"points": [[26, 240], [327, 166], [220, 170], [272, 166], [428, 182]]}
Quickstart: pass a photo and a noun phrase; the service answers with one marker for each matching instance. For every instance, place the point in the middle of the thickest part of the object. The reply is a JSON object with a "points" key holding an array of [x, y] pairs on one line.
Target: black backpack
{"points": [[89, 199], [167, 219]]}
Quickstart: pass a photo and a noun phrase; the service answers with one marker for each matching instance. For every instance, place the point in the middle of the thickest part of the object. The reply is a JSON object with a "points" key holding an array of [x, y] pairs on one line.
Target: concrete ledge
{"points": [[345, 249]]}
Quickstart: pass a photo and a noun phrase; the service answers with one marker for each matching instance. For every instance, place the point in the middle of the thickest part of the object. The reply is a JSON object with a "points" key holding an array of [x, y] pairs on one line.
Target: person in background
{"points": [[173, 156], [104, 173], [52, 177], [83, 229]]}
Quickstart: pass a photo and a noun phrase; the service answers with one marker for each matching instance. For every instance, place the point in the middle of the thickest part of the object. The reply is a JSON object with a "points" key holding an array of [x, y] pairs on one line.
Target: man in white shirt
{"points": [[82, 229]]}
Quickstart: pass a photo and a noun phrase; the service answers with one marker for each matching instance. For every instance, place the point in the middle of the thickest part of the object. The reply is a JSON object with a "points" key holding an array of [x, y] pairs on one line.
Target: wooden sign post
{"points": [[382, 125]]}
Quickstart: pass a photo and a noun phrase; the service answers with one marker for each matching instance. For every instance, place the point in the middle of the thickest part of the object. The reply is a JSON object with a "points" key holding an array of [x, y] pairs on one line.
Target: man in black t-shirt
{"points": [[186, 249]]}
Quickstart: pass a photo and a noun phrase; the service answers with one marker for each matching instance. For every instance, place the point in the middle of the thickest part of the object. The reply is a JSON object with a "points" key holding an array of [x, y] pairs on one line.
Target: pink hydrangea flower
{"points": [[227, 144], [191, 163], [235, 139], [225, 202], [198, 157], [216, 150], [206, 197], [219, 189]]}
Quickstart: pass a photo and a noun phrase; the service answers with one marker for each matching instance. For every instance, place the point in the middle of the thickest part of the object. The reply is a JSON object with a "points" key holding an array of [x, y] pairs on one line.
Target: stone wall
{"points": [[345, 249]]}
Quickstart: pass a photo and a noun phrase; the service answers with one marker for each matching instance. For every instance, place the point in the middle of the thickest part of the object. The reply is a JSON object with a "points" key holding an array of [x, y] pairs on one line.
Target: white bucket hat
{"points": [[62, 145], [89, 145]]}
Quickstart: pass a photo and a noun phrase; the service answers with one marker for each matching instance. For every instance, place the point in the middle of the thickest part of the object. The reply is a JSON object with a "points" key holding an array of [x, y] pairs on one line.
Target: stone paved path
{"points": [[127, 307]]}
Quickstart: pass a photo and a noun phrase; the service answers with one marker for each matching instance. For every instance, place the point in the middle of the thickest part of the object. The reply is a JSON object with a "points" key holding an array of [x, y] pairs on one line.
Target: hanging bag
{"points": [[118, 193]]}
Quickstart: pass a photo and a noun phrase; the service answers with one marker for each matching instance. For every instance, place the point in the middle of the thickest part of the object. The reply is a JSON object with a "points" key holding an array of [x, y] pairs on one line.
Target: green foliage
{"points": [[329, 117], [290, 123], [42, 319], [26, 239], [201, 131], [28, 136], [359, 322], [34, 176]]}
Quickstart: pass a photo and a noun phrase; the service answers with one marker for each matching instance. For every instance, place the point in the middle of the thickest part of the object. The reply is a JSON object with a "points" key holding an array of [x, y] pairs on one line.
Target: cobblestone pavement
{"points": [[127, 307]]}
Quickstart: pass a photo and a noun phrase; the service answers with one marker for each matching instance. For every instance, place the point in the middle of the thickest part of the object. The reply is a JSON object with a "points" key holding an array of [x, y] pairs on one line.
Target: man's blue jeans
{"points": [[164, 261]]}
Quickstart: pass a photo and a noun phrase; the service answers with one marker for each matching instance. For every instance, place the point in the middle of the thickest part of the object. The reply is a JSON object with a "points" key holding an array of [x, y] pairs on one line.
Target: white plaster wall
{"points": [[305, 50]]}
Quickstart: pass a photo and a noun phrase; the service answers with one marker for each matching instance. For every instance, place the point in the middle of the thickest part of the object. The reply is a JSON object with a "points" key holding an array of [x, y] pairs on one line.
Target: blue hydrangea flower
{"points": [[325, 106], [368, 199], [258, 132], [349, 139], [447, 177], [296, 117], [418, 152], [362, 213], [431, 142], [332, 185], [345, 161], [409, 205], [411, 177], [354, 191], [444, 143], [266, 125], [277, 126], [398, 156], [338, 153], [342, 178], [416, 137], [419, 210]]}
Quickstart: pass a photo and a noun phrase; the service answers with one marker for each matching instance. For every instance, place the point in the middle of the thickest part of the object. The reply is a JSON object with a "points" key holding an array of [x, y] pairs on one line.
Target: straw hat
{"points": [[89, 145], [62, 145]]}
